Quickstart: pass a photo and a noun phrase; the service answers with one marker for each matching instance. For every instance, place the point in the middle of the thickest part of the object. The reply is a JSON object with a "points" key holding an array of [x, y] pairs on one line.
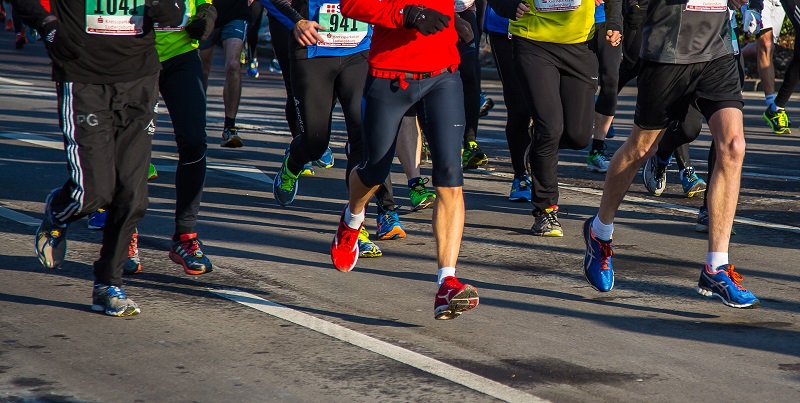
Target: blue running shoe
{"points": [[326, 161], [252, 68], [726, 284], [112, 301], [97, 220], [692, 184], [520, 189], [389, 226], [284, 188], [597, 266], [308, 170], [51, 238]]}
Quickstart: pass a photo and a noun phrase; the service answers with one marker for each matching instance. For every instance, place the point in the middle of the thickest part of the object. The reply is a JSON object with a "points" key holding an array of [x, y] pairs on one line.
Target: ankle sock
{"points": [[716, 259], [602, 231], [353, 221], [445, 272]]}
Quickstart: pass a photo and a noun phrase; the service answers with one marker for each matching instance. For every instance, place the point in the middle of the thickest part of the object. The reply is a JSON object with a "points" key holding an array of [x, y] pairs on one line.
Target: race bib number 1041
{"points": [[114, 17]]}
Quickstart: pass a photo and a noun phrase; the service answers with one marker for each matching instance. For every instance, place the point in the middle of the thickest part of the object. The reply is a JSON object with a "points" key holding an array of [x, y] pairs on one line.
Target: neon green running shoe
{"points": [[421, 197], [367, 248], [473, 157]]}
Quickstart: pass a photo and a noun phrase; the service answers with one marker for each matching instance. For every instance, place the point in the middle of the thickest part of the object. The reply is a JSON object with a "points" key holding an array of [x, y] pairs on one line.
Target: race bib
{"points": [[340, 31], [707, 6], [549, 6], [185, 21], [114, 17]]}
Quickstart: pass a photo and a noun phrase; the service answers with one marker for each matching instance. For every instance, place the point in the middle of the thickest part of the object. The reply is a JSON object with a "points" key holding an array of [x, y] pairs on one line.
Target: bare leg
{"points": [[207, 58], [409, 146], [640, 146], [359, 194], [766, 69], [601, 125], [232, 92], [723, 192], [448, 224]]}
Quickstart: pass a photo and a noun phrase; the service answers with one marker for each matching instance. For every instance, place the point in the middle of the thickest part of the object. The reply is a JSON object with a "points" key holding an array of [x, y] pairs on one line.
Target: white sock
{"points": [[602, 231], [716, 259], [770, 99], [446, 272], [353, 221]]}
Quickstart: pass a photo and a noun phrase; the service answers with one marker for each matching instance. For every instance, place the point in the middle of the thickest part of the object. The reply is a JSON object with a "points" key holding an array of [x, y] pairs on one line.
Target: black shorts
{"points": [[667, 90]]}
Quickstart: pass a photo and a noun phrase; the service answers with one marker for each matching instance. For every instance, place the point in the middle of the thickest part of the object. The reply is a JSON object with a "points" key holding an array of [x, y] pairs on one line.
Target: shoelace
{"points": [[783, 118], [419, 188], [551, 218], [606, 252], [735, 277], [192, 246], [287, 182], [390, 218]]}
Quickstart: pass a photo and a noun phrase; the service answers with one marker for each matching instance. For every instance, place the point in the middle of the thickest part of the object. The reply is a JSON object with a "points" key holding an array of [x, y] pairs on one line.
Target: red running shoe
{"points": [[344, 248], [454, 298]]}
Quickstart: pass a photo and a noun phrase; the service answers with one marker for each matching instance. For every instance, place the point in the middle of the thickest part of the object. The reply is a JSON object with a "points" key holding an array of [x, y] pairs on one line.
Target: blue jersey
{"points": [[600, 13]]}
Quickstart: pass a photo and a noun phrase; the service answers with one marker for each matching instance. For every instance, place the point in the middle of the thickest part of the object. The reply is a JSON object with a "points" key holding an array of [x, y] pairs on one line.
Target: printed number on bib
{"points": [[707, 6], [549, 6], [114, 17], [340, 31]]}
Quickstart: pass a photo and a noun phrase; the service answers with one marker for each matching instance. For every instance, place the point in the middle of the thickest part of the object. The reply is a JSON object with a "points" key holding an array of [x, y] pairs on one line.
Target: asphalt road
{"points": [[276, 322]]}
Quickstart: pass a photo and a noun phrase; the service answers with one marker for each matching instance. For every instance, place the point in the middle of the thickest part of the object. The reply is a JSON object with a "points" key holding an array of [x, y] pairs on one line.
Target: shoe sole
{"points": [[593, 169], [425, 204], [708, 293], [461, 302], [40, 250], [697, 188], [395, 233], [186, 269], [94, 227], [233, 142], [475, 165], [519, 199], [553, 233]]}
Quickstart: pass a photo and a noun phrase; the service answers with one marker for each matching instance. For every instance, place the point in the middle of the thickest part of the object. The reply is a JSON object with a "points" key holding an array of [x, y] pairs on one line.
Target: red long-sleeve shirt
{"points": [[397, 48]]}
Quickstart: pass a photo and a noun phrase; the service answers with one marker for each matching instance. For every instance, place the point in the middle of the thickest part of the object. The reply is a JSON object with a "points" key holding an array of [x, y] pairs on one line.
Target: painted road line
{"points": [[17, 82], [19, 217], [408, 357], [41, 141], [247, 171]]}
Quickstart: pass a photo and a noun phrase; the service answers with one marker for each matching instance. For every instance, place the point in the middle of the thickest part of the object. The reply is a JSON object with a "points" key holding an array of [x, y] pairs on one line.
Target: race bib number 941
{"points": [[114, 17], [340, 32]]}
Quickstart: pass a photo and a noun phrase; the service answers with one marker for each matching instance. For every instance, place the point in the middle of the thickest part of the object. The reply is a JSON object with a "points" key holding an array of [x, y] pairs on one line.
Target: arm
{"points": [[383, 13], [509, 8], [271, 10], [613, 15], [285, 9], [32, 12]]}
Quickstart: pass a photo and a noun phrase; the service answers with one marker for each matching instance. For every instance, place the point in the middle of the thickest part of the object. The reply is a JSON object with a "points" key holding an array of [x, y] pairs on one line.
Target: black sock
{"points": [[230, 122], [597, 145]]}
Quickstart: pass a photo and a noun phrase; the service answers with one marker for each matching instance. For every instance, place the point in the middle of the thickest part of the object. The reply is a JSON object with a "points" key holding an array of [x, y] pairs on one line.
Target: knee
{"points": [[192, 149], [731, 150], [233, 67]]}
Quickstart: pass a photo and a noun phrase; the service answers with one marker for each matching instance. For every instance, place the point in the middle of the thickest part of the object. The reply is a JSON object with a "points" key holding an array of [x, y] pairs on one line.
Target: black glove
{"points": [[60, 46], [464, 30], [167, 13], [202, 22], [425, 20]]}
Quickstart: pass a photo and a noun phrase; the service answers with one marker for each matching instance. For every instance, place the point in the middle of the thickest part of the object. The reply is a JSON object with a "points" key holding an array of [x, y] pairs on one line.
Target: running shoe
{"points": [[252, 68], [345, 247], [97, 220], [21, 40], [112, 301], [187, 253], [726, 284], [778, 120], [152, 174], [389, 226], [9, 24], [243, 56], [692, 184], [426, 151], [51, 238], [520, 189], [230, 138], [598, 161], [654, 176], [308, 170], [546, 222], [486, 105], [454, 298], [275, 67], [326, 161], [133, 265], [701, 225], [611, 132], [367, 248], [420, 196], [473, 157], [284, 187], [597, 266]]}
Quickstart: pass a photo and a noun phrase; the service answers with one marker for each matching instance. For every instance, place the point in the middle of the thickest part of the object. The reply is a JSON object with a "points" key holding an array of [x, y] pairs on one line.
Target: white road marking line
{"points": [[247, 171], [19, 217], [41, 141], [16, 82], [408, 357]]}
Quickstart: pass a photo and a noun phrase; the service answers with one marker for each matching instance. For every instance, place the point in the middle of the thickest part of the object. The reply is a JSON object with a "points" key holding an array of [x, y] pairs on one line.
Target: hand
{"points": [[464, 30], [202, 22], [751, 22], [305, 32], [598, 2], [167, 13], [522, 8], [61, 47], [614, 37], [425, 20]]}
